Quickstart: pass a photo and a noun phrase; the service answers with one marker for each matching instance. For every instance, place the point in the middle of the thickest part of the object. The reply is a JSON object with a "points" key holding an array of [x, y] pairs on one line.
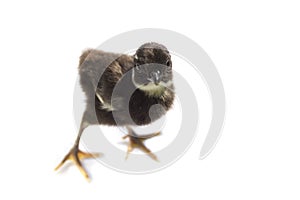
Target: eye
{"points": [[168, 63], [169, 68]]}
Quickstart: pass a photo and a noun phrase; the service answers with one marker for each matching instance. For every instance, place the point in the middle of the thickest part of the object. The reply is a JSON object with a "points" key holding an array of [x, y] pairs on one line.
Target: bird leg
{"points": [[136, 141], [75, 155]]}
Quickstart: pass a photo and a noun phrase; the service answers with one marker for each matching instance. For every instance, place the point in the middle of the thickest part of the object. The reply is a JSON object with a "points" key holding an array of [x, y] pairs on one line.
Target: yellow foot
{"points": [[75, 155], [138, 142]]}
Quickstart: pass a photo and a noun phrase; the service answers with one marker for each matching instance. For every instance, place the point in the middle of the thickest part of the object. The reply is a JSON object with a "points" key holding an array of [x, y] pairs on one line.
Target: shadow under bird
{"points": [[124, 90]]}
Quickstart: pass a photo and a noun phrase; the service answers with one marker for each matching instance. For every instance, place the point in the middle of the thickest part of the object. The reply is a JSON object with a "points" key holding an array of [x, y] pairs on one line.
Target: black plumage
{"points": [[123, 90]]}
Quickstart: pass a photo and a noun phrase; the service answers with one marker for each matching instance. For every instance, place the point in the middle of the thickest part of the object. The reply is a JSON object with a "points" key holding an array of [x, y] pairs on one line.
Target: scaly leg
{"points": [[75, 155], [136, 141]]}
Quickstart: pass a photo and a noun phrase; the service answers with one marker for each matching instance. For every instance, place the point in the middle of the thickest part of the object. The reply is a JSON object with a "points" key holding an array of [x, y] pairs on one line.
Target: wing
{"points": [[93, 68], [100, 72]]}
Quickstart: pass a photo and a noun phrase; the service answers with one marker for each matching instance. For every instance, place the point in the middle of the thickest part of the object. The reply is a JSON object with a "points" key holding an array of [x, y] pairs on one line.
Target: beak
{"points": [[155, 77]]}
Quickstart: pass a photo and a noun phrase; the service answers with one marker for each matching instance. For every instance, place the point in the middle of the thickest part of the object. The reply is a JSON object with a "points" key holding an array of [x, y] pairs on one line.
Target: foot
{"points": [[75, 155], [136, 141]]}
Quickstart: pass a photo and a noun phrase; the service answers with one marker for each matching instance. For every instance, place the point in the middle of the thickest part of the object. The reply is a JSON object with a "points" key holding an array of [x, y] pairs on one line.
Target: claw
{"points": [[75, 155], [138, 142]]}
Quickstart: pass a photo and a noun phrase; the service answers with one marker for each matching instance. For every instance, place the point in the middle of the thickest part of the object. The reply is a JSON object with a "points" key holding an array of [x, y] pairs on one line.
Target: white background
{"points": [[255, 46]]}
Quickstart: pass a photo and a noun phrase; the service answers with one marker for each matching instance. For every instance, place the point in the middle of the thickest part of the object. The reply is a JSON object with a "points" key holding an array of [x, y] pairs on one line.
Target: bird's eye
{"points": [[169, 68], [168, 63]]}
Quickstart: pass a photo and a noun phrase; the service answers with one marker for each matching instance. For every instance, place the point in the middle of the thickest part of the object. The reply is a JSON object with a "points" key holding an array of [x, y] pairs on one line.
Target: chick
{"points": [[122, 90]]}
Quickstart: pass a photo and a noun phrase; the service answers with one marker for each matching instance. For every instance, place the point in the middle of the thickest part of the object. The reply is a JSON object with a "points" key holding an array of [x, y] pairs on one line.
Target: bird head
{"points": [[153, 68]]}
